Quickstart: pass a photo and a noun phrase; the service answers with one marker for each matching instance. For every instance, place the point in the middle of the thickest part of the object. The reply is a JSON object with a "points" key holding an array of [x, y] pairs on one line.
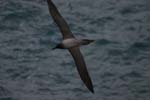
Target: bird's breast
{"points": [[68, 43]]}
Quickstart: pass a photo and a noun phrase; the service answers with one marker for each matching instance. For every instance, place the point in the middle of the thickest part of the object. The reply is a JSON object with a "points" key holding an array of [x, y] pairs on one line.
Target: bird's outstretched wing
{"points": [[59, 20], [81, 67]]}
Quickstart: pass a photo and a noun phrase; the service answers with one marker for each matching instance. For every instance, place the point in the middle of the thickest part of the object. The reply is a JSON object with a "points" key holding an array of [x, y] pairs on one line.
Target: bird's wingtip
{"points": [[92, 89]]}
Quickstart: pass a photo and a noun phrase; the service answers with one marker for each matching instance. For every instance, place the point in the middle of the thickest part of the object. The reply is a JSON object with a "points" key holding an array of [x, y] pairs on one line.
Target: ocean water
{"points": [[118, 61]]}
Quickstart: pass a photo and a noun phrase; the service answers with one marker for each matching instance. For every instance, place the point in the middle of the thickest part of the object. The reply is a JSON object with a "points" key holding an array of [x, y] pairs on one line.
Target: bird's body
{"points": [[72, 44]]}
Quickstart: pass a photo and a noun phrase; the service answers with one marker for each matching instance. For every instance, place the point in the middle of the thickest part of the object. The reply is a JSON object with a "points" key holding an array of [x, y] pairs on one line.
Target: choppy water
{"points": [[118, 62]]}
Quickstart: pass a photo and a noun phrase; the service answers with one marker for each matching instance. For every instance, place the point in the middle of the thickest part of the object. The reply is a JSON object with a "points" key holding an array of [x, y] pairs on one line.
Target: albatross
{"points": [[71, 43]]}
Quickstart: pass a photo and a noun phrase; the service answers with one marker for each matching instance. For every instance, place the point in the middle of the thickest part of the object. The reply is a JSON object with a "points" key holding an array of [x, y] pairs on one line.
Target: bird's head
{"points": [[58, 46]]}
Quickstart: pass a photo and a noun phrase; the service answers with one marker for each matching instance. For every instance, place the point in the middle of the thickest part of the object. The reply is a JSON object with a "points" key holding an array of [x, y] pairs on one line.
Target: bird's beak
{"points": [[92, 40], [54, 48]]}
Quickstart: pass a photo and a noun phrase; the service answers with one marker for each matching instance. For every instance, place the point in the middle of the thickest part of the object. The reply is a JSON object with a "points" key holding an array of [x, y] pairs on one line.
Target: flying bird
{"points": [[72, 44]]}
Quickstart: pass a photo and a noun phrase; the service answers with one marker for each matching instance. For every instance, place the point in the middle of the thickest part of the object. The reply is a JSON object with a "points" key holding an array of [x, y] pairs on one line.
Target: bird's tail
{"points": [[86, 41]]}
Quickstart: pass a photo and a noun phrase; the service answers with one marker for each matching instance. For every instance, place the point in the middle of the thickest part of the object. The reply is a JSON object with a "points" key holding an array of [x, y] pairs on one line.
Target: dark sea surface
{"points": [[118, 61]]}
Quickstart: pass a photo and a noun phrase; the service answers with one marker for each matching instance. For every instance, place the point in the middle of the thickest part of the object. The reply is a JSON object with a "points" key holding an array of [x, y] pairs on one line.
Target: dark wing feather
{"points": [[59, 20], [81, 67]]}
